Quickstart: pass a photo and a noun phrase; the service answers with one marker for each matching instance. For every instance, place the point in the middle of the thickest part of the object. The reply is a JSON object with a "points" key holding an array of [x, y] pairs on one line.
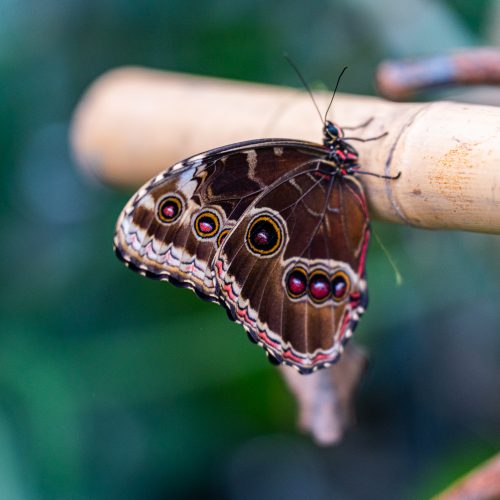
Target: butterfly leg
{"points": [[354, 169], [380, 176], [376, 138], [361, 125]]}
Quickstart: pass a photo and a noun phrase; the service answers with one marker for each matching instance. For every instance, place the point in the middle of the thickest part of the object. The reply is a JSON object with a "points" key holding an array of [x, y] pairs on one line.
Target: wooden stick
{"points": [[401, 79], [134, 122], [483, 483]]}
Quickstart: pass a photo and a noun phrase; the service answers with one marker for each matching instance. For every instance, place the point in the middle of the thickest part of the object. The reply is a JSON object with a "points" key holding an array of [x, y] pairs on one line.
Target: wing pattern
{"points": [[268, 230]]}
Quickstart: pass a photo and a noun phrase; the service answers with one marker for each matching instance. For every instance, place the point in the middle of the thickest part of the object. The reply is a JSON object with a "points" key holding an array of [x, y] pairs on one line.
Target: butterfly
{"points": [[275, 230]]}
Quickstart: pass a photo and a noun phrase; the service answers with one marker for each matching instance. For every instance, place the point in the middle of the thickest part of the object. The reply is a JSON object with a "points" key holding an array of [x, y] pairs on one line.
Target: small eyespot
{"points": [[222, 236], [296, 282], [206, 224], [319, 286], [169, 209], [341, 285], [264, 235]]}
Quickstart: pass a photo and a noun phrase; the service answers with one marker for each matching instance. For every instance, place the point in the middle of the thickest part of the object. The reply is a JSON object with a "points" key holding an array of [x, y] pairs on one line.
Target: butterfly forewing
{"points": [[172, 227]]}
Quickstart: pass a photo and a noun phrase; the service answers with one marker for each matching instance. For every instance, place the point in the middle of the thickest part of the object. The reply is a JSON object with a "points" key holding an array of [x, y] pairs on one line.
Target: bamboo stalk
{"points": [[134, 122]]}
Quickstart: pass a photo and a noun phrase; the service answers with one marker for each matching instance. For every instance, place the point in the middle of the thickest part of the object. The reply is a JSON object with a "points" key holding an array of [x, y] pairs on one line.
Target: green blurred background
{"points": [[117, 387]]}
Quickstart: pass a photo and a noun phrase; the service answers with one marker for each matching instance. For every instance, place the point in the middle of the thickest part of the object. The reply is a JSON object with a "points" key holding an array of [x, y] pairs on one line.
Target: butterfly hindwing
{"points": [[292, 269]]}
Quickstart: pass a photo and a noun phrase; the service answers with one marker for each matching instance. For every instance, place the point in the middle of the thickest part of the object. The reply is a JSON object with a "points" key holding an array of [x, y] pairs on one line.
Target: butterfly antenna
{"points": [[333, 95], [397, 274], [302, 79]]}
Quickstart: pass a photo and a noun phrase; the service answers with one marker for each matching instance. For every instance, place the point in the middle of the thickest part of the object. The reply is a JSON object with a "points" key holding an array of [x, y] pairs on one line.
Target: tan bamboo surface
{"points": [[134, 122]]}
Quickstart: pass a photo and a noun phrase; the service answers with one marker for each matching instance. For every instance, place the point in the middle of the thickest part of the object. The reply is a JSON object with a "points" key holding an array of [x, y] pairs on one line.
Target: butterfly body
{"points": [[275, 230]]}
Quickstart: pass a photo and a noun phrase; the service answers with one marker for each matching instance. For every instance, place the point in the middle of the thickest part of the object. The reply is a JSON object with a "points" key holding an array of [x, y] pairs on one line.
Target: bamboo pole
{"points": [[134, 122]]}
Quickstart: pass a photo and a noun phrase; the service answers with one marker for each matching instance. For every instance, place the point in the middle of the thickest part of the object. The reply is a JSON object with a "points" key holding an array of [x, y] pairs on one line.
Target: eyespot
{"points": [[264, 235], [169, 209], [206, 224], [222, 236], [319, 286], [296, 282], [341, 285]]}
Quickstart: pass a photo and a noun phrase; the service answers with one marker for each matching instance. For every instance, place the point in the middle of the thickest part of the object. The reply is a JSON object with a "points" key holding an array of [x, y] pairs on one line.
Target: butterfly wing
{"points": [[172, 227], [292, 269]]}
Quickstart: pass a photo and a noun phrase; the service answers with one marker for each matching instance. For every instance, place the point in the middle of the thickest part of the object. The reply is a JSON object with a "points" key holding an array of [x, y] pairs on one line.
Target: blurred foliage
{"points": [[113, 386], [474, 14]]}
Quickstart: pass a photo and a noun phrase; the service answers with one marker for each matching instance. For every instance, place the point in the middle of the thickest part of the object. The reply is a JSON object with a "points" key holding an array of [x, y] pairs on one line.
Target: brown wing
{"points": [[292, 270], [171, 228]]}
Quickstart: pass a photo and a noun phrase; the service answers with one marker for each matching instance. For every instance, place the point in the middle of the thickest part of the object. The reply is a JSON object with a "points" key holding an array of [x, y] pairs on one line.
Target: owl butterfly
{"points": [[275, 230]]}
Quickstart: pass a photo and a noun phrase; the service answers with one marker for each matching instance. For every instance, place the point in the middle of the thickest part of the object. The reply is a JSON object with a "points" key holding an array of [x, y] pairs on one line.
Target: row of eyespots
{"points": [[264, 235], [206, 224], [318, 285]]}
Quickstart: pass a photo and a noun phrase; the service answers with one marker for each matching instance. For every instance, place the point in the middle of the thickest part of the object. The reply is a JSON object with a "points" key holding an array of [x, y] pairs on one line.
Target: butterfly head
{"points": [[331, 133]]}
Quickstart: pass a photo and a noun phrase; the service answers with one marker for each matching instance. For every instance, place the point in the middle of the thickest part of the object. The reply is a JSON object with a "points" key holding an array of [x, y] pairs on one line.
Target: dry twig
{"points": [[325, 397], [402, 79], [483, 483]]}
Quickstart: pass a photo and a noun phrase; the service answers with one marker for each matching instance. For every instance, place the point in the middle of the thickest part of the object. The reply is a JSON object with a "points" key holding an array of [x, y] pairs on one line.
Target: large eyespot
{"points": [[222, 236], [319, 286], [296, 282], [169, 209], [341, 285], [264, 235], [206, 224]]}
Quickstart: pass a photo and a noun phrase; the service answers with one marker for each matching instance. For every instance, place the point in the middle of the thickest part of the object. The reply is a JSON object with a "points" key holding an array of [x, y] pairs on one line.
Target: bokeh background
{"points": [[116, 387]]}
